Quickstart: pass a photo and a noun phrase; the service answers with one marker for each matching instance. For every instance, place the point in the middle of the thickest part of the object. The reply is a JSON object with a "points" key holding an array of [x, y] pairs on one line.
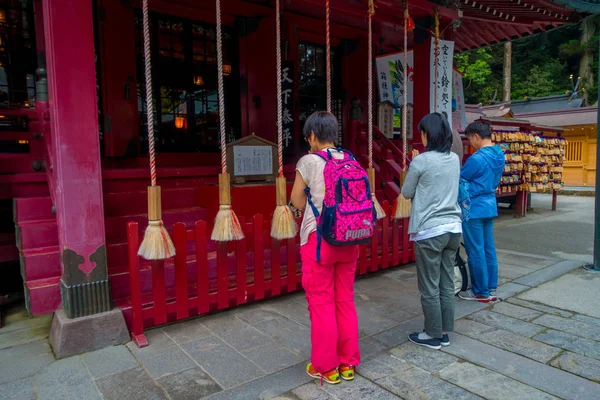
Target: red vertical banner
{"points": [[240, 261], [291, 265], [259, 258], [159, 292], [202, 267], [181, 281], [222, 276], [275, 267], [137, 315]]}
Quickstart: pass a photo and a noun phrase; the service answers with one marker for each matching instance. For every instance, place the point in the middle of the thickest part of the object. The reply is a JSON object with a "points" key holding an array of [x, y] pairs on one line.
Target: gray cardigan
{"points": [[432, 184]]}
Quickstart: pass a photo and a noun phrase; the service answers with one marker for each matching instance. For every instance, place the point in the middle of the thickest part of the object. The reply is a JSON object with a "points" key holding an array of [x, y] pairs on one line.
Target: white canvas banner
{"points": [[390, 80], [443, 58], [460, 122]]}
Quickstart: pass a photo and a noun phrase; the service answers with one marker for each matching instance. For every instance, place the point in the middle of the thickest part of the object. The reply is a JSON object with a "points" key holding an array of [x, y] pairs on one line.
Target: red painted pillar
{"points": [[69, 37]]}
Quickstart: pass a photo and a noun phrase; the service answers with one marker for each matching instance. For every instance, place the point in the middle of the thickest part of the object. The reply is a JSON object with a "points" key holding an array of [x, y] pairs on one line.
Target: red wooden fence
{"points": [[227, 287]]}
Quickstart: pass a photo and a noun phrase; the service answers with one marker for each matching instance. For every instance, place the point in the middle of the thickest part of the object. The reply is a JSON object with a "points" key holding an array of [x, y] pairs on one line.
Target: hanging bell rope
{"points": [[283, 225], [227, 227], [403, 205], [157, 244], [328, 52], [370, 170]]}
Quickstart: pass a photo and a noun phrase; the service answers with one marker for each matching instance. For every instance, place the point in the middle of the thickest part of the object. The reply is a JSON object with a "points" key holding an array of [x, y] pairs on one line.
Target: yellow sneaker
{"points": [[347, 372], [332, 377]]}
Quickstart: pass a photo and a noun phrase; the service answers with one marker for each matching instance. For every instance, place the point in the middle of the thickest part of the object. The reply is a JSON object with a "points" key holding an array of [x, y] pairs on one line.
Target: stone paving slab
{"points": [[134, 384], [514, 343], [585, 318], [512, 272], [408, 382], [306, 392], [570, 342], [186, 331], [370, 347], [549, 273], [27, 350], [190, 384], [399, 334], [510, 289], [571, 326], [168, 361], [539, 307], [18, 390], [225, 365], [18, 368], [65, 379], [238, 334], [359, 389], [573, 287], [543, 377], [579, 365], [267, 387], [108, 361], [488, 384], [23, 336], [272, 357], [501, 321], [511, 310]]}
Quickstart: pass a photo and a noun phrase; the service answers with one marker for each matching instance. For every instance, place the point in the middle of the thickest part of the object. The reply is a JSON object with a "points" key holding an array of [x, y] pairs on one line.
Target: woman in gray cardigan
{"points": [[435, 227]]}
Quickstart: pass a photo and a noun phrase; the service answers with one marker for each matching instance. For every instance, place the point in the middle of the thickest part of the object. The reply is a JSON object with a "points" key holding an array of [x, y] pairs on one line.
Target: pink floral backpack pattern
{"points": [[348, 214]]}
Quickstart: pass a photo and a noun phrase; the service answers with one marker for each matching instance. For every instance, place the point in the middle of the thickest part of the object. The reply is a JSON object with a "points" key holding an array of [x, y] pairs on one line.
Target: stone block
{"points": [[18, 390], [570, 342], [272, 357], [108, 361], [579, 365], [157, 342], [66, 379], [240, 335], [399, 334], [23, 336], [472, 328], [167, 361], [19, 368], [310, 391], [228, 367], [500, 321], [27, 350], [526, 314], [369, 348], [586, 319], [540, 376], [577, 328], [79, 335], [423, 358], [510, 289], [185, 331], [133, 384], [547, 274], [539, 307], [488, 384], [360, 389], [191, 384]]}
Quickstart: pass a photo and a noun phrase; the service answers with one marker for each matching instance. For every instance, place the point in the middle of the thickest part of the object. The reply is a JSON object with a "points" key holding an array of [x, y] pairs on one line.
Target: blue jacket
{"points": [[483, 171]]}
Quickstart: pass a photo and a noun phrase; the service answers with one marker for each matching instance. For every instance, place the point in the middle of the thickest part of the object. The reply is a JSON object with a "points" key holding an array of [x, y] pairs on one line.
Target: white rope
{"points": [[279, 89], [328, 52], [149, 103], [370, 84]]}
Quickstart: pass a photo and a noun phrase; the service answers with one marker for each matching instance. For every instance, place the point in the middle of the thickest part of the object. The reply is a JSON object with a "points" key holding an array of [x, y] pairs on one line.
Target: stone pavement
{"points": [[534, 345]]}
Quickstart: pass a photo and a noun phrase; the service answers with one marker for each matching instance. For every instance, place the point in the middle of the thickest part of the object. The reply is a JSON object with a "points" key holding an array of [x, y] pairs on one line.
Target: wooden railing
{"points": [[255, 278]]}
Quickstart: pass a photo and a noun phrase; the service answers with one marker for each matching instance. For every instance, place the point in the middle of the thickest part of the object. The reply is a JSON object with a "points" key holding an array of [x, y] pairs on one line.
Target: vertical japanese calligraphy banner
{"points": [[390, 80], [459, 117], [444, 60], [287, 97]]}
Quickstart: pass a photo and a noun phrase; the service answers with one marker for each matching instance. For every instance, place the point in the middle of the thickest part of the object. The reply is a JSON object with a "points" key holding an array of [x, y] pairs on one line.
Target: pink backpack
{"points": [[348, 215]]}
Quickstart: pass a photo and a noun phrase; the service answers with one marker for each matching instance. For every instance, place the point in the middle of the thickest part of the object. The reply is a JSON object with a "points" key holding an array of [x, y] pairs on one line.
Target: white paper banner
{"points": [[390, 80], [460, 122], [444, 82]]}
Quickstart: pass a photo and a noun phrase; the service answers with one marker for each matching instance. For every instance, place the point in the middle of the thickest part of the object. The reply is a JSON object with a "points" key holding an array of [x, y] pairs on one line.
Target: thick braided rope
{"points": [[370, 84], [279, 89], [149, 103], [405, 91], [328, 52], [221, 91], [436, 60]]}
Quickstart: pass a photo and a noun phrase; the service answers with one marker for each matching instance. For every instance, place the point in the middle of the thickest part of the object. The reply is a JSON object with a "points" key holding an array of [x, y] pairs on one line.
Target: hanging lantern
{"points": [[179, 121], [227, 69], [198, 80]]}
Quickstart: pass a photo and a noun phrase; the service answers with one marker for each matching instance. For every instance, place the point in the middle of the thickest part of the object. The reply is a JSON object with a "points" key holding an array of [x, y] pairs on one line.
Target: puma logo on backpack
{"points": [[348, 215]]}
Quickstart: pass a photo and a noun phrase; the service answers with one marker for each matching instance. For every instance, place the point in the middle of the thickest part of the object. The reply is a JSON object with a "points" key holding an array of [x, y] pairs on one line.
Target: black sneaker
{"points": [[431, 343], [445, 340]]}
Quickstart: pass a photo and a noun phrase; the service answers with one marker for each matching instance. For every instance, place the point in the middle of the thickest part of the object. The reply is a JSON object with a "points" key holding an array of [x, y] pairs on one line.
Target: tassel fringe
{"points": [[378, 209], [157, 244], [227, 226], [284, 224], [402, 207]]}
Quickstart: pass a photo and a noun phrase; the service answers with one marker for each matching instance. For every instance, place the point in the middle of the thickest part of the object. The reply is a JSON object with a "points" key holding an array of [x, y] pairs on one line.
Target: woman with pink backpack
{"points": [[339, 215]]}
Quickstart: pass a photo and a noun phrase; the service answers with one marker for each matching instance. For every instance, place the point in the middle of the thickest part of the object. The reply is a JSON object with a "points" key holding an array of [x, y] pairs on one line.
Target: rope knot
{"points": [[158, 223]]}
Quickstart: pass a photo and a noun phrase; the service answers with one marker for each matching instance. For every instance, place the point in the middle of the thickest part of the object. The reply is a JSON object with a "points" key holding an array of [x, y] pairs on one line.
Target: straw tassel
{"points": [[157, 244], [378, 209], [284, 224], [227, 226], [403, 205]]}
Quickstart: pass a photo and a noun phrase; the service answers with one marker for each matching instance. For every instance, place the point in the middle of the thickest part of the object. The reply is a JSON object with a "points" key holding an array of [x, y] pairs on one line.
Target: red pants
{"points": [[329, 287]]}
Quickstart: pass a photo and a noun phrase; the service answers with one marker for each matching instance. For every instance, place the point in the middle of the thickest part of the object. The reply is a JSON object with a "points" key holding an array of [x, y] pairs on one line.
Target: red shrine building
{"points": [[74, 148]]}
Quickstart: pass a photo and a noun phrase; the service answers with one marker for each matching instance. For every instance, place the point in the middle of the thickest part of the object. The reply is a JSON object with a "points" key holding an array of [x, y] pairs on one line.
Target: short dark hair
{"points": [[325, 126], [481, 128], [439, 134]]}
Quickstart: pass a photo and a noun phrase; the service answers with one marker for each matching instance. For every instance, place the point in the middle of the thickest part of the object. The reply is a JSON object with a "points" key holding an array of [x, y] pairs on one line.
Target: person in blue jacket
{"points": [[482, 171]]}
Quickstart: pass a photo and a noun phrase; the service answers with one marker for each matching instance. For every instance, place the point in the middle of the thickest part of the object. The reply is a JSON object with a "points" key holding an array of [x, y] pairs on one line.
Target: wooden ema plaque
{"points": [[252, 159]]}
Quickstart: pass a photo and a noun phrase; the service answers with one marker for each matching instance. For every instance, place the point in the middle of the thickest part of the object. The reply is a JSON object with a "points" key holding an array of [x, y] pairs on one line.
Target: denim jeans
{"points": [[481, 250]]}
